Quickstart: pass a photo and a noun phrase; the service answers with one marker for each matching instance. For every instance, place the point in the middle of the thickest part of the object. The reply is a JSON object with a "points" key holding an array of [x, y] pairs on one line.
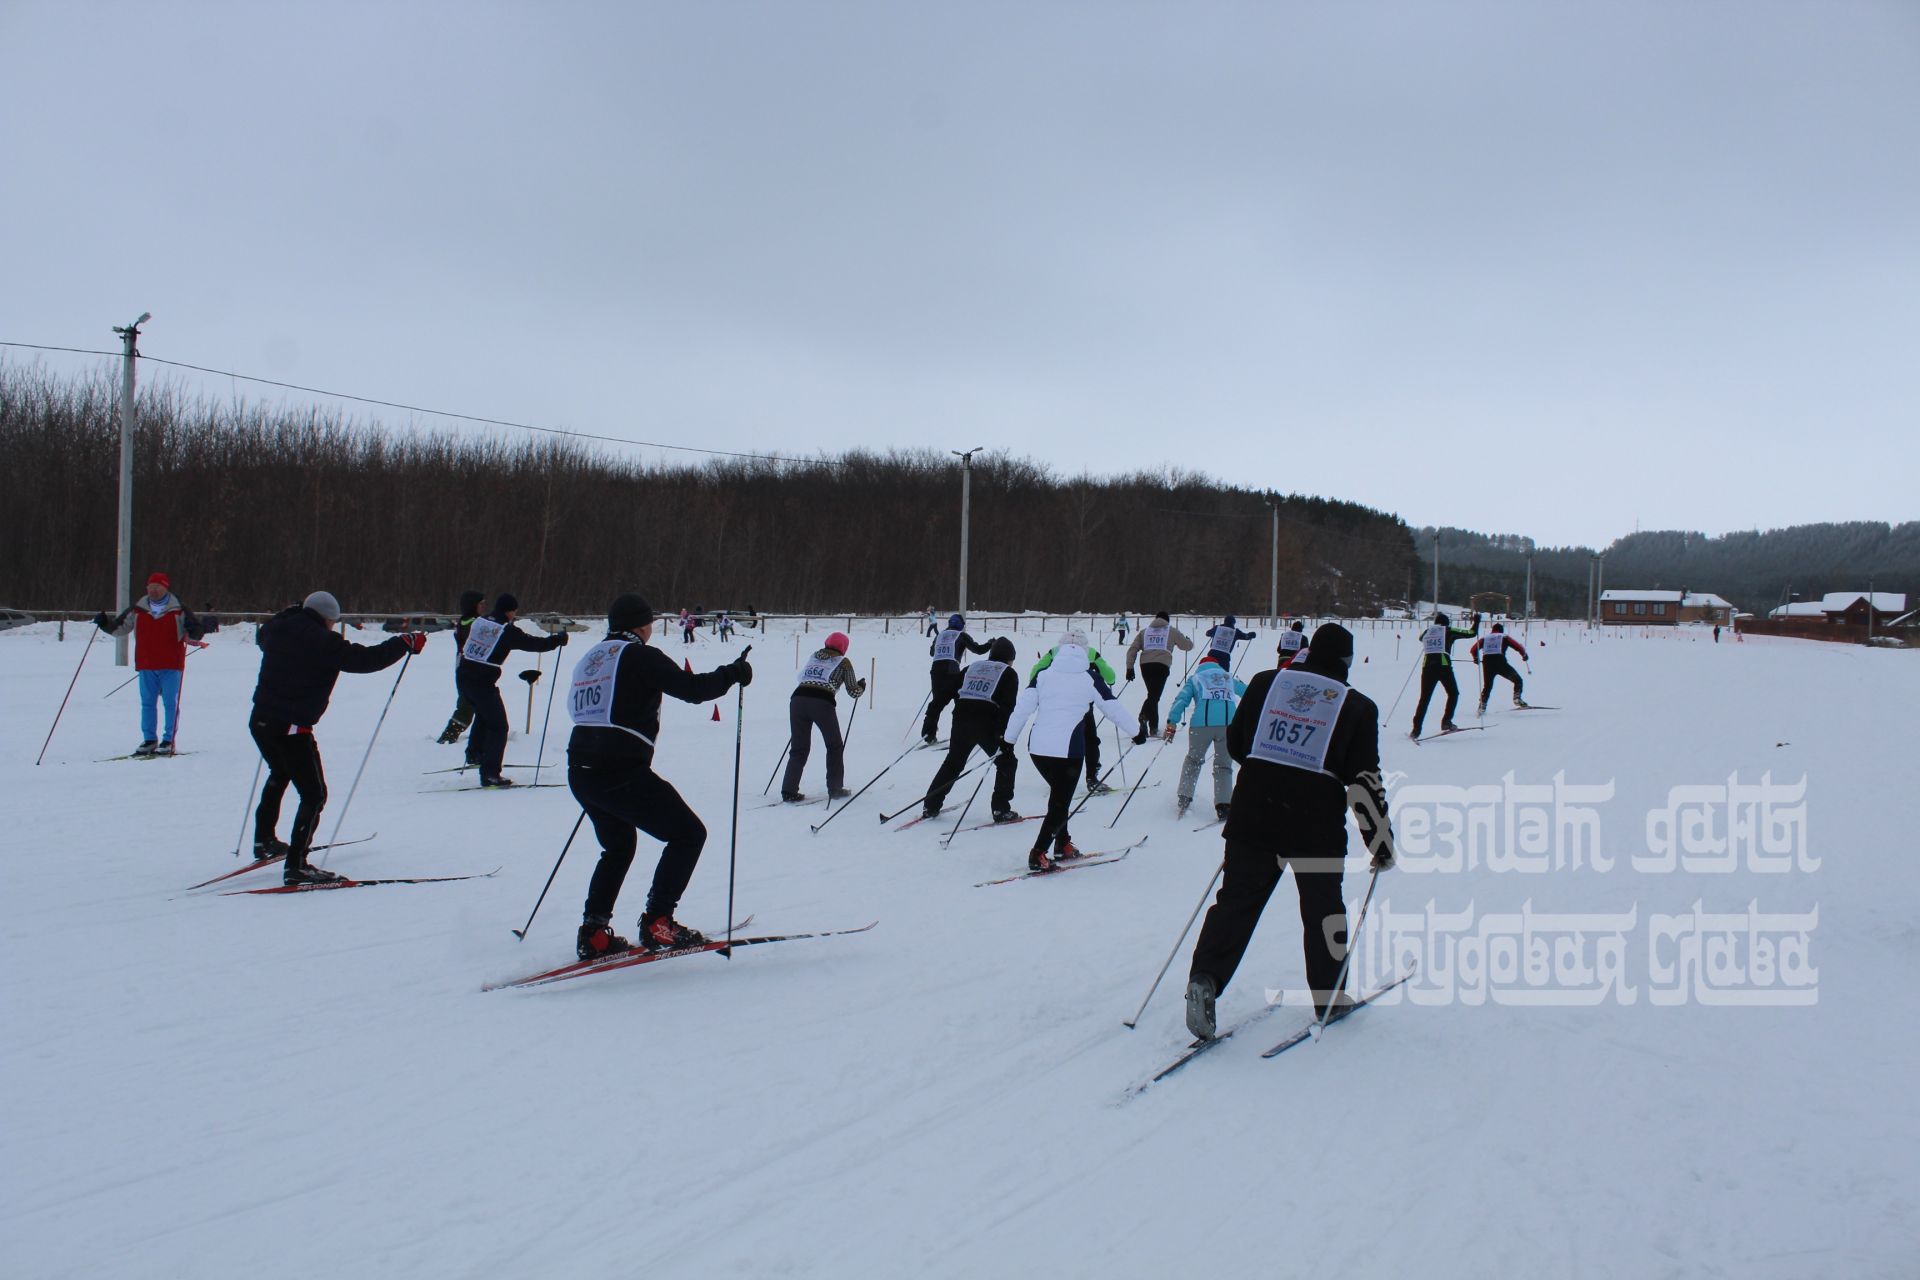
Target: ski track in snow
{"points": [[315, 1085]]}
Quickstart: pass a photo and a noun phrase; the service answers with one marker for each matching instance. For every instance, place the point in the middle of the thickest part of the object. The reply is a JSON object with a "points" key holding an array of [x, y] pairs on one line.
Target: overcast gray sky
{"points": [[1537, 268]]}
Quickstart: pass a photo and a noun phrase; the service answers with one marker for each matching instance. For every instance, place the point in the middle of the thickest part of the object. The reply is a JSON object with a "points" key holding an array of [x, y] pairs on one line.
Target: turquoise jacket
{"points": [[1206, 710]]}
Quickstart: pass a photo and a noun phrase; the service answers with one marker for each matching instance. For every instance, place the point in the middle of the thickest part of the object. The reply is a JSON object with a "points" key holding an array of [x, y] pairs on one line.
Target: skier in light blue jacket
{"points": [[1211, 691]]}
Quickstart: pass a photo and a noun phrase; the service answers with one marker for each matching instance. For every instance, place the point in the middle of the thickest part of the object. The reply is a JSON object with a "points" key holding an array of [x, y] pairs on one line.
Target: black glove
{"points": [[741, 670], [102, 621], [1382, 851], [563, 639], [1006, 748]]}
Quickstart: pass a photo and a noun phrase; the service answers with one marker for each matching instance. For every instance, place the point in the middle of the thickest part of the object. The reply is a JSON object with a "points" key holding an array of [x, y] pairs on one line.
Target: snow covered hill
{"points": [[1690, 1053]]}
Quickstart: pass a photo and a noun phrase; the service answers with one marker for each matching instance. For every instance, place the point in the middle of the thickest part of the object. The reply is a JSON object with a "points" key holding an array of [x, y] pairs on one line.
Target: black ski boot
{"points": [[497, 780], [930, 810], [792, 797], [263, 850], [597, 940], [1220, 811], [144, 750], [1005, 815], [1095, 787], [1037, 860], [305, 874], [165, 748], [838, 793]]}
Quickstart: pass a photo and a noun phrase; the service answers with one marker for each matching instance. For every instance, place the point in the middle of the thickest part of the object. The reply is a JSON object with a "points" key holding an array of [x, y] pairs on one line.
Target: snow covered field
{"points": [[315, 1085]]}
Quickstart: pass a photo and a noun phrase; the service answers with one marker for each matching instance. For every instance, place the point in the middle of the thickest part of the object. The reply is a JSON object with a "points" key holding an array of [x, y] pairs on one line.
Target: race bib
{"points": [[944, 645], [1290, 641], [819, 671], [590, 702], [1154, 638], [1223, 639], [1434, 639], [980, 679], [1215, 684], [481, 639], [1296, 721], [1493, 646]]}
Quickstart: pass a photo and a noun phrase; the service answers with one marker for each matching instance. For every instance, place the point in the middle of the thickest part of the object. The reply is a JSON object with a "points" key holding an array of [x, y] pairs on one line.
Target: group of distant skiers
{"points": [[1306, 742]]}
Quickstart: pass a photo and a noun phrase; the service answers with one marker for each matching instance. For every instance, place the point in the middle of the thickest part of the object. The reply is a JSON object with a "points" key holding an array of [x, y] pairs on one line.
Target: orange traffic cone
{"points": [[716, 715], [687, 664]]}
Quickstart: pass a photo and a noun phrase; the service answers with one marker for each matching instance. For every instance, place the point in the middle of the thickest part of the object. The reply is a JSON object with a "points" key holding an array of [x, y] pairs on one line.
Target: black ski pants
{"points": [[293, 758], [487, 748], [946, 687], [1492, 669], [1436, 675], [620, 802], [1154, 676], [804, 715], [1253, 869], [1063, 779], [971, 733]]}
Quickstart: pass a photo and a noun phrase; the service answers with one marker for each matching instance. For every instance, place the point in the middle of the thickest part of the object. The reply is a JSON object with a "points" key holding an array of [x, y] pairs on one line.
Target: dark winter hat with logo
{"points": [[629, 613], [1332, 645]]}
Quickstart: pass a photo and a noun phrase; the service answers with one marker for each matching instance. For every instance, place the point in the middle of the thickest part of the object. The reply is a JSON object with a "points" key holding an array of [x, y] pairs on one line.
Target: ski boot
{"points": [[930, 810], [268, 849], [1095, 787], [1140, 738], [1220, 811], [496, 780], [1065, 851], [144, 750], [838, 793], [1520, 703], [305, 874], [1004, 814], [165, 748], [597, 940], [1480, 712], [1037, 860], [929, 739], [1448, 726], [661, 932], [792, 797], [1200, 996], [1180, 806], [1341, 1007]]}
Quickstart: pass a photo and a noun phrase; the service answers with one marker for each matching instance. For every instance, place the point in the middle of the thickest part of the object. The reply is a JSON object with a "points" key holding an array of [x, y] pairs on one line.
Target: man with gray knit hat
{"points": [[300, 658]]}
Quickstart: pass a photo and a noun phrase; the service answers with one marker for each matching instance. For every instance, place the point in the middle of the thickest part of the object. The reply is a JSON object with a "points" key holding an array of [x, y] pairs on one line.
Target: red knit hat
{"points": [[838, 642], [161, 578]]}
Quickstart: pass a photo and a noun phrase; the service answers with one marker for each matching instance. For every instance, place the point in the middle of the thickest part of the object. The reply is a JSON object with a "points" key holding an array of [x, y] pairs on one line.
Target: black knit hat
{"points": [[505, 603], [1001, 650], [629, 612], [470, 602], [1331, 641]]}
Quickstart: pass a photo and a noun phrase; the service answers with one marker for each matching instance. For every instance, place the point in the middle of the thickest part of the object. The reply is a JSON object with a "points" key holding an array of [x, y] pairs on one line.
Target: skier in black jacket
{"points": [[462, 716], [482, 654], [614, 701], [988, 690], [947, 649], [300, 658], [1305, 758], [1436, 669]]}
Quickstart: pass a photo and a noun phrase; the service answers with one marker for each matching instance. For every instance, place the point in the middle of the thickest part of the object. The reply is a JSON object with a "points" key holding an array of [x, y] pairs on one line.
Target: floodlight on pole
{"points": [[123, 589]]}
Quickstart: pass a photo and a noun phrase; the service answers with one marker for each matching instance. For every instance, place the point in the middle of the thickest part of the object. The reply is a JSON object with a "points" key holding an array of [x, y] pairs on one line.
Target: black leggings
{"points": [[1492, 669], [488, 745], [1063, 778], [1252, 872], [968, 735], [617, 802], [1154, 676], [292, 758], [1435, 675], [946, 687]]}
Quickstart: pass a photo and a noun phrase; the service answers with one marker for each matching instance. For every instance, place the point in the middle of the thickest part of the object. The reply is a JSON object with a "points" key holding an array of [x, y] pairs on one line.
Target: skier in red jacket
{"points": [[1490, 653], [162, 629]]}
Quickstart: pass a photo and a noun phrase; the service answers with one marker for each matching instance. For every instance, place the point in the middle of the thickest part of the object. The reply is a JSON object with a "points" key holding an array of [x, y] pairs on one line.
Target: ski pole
{"points": [[733, 835], [847, 735], [1134, 1021], [369, 751], [889, 817], [552, 687], [1353, 937], [963, 811], [136, 675], [1403, 686], [521, 933], [815, 828], [776, 765], [1136, 786], [1117, 744], [922, 707], [240, 841], [84, 651]]}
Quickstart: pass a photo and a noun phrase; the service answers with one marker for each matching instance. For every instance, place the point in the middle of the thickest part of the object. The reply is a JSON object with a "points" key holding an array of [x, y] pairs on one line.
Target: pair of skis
{"points": [[275, 860], [638, 956], [1201, 1047], [362, 884], [1079, 862]]}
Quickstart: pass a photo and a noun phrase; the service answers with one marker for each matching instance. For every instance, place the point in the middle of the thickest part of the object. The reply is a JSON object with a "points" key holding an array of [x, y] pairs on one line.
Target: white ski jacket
{"points": [[1057, 703]]}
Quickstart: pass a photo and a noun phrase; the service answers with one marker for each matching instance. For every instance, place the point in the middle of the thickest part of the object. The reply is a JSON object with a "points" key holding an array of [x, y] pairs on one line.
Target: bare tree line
{"points": [[248, 507]]}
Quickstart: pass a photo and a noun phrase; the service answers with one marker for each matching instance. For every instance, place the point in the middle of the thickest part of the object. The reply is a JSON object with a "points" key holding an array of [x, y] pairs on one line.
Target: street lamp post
{"points": [[123, 589], [1273, 561], [966, 507]]}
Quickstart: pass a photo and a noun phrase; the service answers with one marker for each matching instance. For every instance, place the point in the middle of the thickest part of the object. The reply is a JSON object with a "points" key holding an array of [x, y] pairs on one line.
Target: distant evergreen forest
{"points": [[1755, 570], [249, 507]]}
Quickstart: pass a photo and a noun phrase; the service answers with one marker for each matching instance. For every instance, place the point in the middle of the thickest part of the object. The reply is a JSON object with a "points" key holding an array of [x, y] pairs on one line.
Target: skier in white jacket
{"points": [[1056, 702]]}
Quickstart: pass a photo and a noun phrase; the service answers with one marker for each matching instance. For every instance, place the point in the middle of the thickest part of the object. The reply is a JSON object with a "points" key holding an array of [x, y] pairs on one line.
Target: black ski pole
{"points": [[1417, 659], [521, 933], [815, 828], [240, 841], [885, 818], [1346, 961], [922, 707], [404, 662], [1136, 785], [733, 835], [963, 811], [1134, 1021], [84, 651], [847, 735], [776, 765], [540, 760]]}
